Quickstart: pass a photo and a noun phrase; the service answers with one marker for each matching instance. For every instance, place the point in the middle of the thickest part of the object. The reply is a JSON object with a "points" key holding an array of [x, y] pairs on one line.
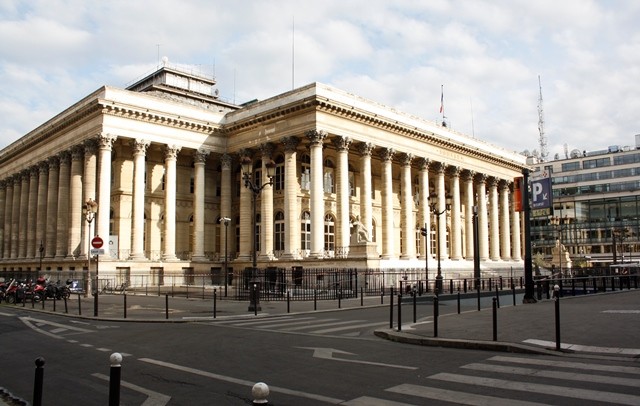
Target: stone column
{"points": [[246, 221], [469, 202], [32, 218], [50, 245], [387, 203], [140, 147], [366, 205], [291, 210], [105, 142], [516, 237], [266, 206], [225, 196], [15, 214], [342, 194], [425, 209], [8, 216], [505, 232], [316, 138], [3, 201], [199, 161], [456, 214], [483, 225], [24, 214], [494, 226], [441, 193], [406, 209], [170, 160], [75, 202], [62, 234], [41, 211], [88, 191]]}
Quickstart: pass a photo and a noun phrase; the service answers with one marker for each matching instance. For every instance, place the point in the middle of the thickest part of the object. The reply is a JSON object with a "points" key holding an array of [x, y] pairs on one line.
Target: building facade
{"points": [[596, 208], [162, 160]]}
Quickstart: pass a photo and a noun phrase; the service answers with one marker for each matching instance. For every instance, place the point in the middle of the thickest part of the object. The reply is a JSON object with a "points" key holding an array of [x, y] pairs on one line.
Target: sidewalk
{"points": [[604, 323]]}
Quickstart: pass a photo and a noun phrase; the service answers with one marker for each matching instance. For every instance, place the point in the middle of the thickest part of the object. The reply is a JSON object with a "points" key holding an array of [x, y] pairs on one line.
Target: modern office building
{"points": [[596, 207], [155, 170]]}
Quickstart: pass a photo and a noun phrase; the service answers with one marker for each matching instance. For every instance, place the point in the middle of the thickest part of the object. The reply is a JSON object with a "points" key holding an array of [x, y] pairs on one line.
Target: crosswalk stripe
{"points": [[576, 393], [239, 323], [567, 364], [585, 348], [569, 376], [457, 396], [308, 326], [369, 401], [290, 323], [350, 327]]}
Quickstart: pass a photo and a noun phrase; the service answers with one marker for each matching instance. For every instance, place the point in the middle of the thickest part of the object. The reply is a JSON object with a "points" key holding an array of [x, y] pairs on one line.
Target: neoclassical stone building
{"points": [[163, 161]]}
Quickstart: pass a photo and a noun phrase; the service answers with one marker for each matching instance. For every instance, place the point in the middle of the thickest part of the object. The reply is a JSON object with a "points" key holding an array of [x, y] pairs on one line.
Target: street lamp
{"points": [[247, 171], [434, 209], [424, 231], [89, 210], [225, 221]]}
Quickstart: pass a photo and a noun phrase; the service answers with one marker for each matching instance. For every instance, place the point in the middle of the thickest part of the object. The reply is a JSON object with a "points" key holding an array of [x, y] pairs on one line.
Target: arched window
{"points": [[305, 233], [329, 235], [278, 180], [278, 232], [328, 176], [305, 171]]}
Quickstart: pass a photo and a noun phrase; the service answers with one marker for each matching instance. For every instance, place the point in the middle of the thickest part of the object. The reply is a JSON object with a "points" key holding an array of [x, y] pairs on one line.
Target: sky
{"points": [[482, 58]]}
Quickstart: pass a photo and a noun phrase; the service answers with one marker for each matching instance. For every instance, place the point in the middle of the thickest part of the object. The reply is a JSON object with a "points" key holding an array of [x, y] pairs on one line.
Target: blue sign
{"points": [[541, 195]]}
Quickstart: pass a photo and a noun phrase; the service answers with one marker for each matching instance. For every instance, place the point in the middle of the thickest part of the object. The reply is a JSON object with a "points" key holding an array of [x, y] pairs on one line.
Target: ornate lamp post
{"points": [[89, 211], [247, 171], [424, 231], [434, 209], [225, 221]]}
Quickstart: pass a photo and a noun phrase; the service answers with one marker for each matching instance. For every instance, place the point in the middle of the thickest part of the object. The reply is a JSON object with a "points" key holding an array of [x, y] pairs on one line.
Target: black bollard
{"points": [[124, 300], [513, 292], [114, 379], [497, 297], [315, 299], [215, 300], [478, 290], [66, 305], [166, 306], [79, 305], [288, 301], [54, 303], [495, 319], [436, 312], [38, 382], [382, 296], [340, 299], [399, 312], [414, 306], [556, 297], [391, 310], [458, 302], [361, 296]]}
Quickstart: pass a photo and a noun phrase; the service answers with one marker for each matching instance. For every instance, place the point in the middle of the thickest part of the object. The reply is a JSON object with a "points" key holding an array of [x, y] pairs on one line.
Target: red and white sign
{"points": [[97, 242]]}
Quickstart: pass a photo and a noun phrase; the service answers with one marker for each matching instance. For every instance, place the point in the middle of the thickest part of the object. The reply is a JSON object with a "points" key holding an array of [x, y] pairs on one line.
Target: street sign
{"points": [[541, 197], [97, 251], [97, 242]]}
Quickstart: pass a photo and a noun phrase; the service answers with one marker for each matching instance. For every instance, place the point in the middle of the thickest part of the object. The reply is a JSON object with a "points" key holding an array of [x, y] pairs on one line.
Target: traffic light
{"points": [[423, 231]]}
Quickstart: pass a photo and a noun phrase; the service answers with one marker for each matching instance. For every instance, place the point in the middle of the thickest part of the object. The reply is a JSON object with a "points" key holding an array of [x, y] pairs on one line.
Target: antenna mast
{"points": [[544, 153]]}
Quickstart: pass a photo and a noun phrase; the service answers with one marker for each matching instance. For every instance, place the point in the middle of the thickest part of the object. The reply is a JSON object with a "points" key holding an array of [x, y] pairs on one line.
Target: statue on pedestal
{"points": [[359, 233]]}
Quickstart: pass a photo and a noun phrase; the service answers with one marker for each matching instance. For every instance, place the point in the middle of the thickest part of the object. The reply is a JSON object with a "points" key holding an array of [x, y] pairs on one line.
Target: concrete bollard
{"points": [[114, 379], [260, 391]]}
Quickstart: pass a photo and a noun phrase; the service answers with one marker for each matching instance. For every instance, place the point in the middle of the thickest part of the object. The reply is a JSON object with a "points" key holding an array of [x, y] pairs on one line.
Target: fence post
{"points": [[38, 382], [114, 379]]}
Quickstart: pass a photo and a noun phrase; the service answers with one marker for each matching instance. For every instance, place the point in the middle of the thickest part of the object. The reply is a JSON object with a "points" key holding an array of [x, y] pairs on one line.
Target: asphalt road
{"points": [[217, 363]]}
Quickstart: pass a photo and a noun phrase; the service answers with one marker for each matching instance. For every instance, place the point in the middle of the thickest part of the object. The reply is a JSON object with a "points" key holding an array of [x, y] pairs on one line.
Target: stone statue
{"points": [[360, 233]]}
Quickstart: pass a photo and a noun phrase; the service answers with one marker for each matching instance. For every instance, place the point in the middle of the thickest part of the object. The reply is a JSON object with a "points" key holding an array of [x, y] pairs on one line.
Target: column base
{"points": [[170, 258], [137, 257]]}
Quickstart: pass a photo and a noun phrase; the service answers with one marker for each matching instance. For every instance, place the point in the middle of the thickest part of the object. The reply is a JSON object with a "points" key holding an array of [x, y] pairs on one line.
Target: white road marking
{"points": [[457, 396], [350, 327], [368, 401], [327, 353], [585, 348], [243, 382], [153, 398], [567, 364]]}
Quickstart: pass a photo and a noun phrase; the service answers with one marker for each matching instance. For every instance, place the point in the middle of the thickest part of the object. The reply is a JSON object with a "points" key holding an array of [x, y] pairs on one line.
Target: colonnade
{"points": [[41, 206]]}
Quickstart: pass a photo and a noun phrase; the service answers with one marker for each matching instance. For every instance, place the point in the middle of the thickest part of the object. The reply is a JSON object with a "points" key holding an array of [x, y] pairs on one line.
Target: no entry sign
{"points": [[97, 242]]}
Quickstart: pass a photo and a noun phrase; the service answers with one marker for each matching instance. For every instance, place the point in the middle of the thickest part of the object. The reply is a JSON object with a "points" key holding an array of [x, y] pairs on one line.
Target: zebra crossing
{"points": [[307, 325], [507, 380]]}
